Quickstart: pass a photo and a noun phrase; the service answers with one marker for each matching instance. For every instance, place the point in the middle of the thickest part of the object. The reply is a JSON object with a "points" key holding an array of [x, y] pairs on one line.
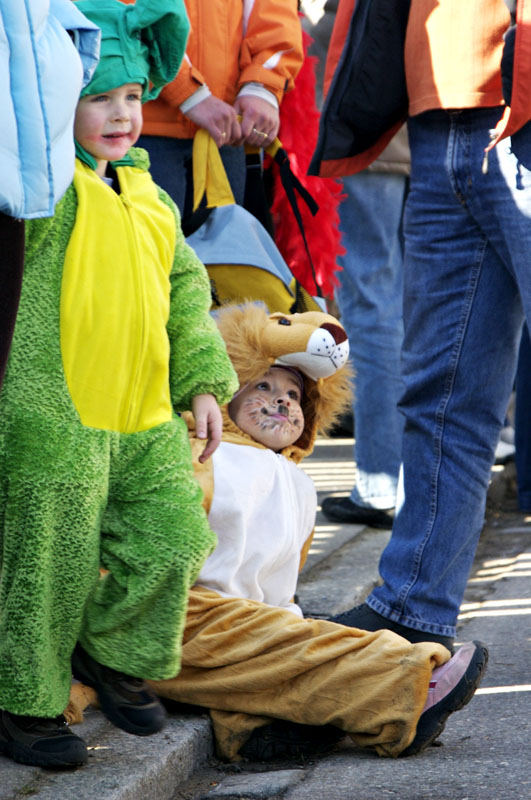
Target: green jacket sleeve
{"points": [[199, 363]]}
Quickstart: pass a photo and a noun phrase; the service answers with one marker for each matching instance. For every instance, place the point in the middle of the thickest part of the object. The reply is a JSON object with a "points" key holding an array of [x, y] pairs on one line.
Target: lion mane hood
{"points": [[313, 342]]}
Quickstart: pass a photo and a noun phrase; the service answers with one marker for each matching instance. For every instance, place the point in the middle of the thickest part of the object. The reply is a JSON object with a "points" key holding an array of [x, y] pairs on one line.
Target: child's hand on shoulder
{"points": [[208, 423]]}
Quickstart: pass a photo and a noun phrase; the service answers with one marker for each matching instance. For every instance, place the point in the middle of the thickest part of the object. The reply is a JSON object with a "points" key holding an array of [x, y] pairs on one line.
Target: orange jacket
{"points": [[334, 157], [232, 42]]}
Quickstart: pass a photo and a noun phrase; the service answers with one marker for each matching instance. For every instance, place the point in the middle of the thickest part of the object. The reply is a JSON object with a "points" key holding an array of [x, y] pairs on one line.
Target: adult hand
{"points": [[218, 118], [260, 120], [208, 423]]}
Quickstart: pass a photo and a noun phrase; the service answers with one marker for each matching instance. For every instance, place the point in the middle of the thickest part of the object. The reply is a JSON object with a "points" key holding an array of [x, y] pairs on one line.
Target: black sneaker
{"points": [[41, 741], [342, 509], [364, 618], [452, 686], [127, 702], [284, 739]]}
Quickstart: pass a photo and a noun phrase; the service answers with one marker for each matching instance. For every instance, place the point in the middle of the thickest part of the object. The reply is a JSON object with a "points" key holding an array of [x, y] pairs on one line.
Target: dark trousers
{"points": [[11, 265], [171, 168]]}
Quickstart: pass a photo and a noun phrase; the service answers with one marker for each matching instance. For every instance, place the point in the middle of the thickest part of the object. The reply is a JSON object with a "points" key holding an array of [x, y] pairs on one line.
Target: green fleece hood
{"points": [[142, 43]]}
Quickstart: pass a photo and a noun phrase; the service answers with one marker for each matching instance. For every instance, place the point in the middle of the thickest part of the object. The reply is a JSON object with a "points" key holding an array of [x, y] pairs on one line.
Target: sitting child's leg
{"points": [[451, 687], [245, 657]]}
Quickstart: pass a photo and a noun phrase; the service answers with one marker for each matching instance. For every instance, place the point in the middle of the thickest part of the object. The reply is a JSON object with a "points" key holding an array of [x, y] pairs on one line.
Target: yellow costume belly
{"points": [[115, 302]]}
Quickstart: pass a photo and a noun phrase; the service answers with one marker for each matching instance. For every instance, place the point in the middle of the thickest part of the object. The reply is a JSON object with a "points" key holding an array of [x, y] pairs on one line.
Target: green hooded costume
{"points": [[113, 339]]}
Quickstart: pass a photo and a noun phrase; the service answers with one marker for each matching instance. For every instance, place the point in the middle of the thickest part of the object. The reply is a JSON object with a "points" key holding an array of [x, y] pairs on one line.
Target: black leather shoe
{"points": [[342, 509], [42, 742], [364, 618], [284, 739], [127, 702]]}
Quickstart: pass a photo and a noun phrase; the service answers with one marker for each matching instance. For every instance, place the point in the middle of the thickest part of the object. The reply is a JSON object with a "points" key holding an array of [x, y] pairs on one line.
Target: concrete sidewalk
{"points": [[340, 571]]}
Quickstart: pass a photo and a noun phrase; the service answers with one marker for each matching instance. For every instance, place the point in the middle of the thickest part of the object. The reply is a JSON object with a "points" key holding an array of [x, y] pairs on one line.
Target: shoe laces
{"points": [[134, 683], [132, 689], [51, 724]]}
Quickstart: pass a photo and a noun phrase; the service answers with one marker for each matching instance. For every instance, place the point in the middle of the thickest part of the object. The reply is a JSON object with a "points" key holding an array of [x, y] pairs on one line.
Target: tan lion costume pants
{"points": [[248, 663]]}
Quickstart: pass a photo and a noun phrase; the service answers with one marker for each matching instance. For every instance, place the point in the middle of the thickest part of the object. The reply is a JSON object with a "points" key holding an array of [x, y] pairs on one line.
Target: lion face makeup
{"points": [[312, 344], [269, 409]]}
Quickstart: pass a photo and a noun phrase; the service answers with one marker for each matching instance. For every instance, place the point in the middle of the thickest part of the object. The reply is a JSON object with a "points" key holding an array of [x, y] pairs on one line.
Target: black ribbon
{"points": [[292, 186]]}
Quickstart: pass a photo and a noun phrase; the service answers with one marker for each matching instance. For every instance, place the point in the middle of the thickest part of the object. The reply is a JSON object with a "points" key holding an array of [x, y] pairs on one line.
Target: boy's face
{"points": [[269, 409], [108, 124]]}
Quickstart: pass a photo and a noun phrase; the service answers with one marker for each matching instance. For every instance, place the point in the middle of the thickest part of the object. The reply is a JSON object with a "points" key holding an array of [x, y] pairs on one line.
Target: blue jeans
{"points": [[522, 423], [370, 301], [467, 276]]}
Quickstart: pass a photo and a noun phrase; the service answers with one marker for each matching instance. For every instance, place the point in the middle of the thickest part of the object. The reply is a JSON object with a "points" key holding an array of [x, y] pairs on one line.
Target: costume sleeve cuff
{"points": [[258, 90], [201, 94]]}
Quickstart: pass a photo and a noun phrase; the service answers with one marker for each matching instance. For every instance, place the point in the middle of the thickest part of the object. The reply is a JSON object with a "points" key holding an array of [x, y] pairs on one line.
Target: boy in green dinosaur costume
{"points": [[112, 339]]}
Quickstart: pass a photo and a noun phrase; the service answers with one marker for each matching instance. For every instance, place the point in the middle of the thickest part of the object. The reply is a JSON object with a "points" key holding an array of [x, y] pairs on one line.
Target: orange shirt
{"points": [[446, 69]]}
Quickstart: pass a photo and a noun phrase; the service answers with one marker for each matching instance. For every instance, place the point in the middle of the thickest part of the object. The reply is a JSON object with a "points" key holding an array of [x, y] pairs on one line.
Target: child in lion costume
{"points": [[276, 683]]}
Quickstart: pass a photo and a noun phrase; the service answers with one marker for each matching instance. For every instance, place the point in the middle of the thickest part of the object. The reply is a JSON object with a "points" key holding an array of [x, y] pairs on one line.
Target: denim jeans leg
{"points": [[466, 272], [370, 302], [522, 422]]}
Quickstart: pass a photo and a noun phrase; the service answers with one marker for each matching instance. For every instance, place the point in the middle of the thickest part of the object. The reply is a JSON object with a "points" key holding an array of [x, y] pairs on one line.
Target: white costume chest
{"points": [[263, 510]]}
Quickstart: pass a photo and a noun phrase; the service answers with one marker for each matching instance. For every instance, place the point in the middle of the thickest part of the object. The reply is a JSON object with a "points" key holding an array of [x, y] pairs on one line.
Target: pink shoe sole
{"points": [[452, 687]]}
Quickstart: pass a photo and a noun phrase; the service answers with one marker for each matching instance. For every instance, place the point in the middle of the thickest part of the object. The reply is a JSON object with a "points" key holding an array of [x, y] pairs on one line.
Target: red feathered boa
{"points": [[299, 124]]}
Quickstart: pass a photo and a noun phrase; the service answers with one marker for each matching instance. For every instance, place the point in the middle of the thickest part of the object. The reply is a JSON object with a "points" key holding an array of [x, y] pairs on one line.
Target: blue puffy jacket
{"points": [[41, 76]]}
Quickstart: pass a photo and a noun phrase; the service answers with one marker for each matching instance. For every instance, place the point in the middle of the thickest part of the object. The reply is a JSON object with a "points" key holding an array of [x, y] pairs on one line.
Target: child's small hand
{"points": [[208, 422]]}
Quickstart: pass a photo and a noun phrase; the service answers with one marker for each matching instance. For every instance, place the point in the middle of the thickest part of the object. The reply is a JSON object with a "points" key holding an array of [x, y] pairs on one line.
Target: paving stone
{"points": [[255, 785]]}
